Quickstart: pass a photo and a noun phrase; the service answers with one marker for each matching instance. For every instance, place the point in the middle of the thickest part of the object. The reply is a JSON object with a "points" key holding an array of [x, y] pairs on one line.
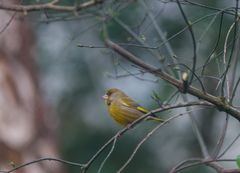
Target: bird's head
{"points": [[112, 94]]}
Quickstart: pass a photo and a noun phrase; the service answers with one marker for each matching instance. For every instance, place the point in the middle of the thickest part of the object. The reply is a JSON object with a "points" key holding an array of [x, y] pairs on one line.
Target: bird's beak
{"points": [[105, 97]]}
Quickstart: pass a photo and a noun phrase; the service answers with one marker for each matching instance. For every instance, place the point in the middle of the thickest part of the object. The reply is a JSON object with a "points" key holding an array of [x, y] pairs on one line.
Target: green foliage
{"points": [[238, 161]]}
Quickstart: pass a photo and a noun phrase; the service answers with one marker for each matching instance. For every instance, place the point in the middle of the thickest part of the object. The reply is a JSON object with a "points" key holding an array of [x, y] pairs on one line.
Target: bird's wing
{"points": [[128, 102], [123, 112]]}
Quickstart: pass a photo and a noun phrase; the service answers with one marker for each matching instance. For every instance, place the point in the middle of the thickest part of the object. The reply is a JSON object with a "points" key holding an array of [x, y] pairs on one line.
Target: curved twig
{"points": [[193, 40]]}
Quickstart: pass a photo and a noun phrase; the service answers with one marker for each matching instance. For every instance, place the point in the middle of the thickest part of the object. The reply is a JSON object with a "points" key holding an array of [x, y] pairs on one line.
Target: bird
{"points": [[123, 109]]}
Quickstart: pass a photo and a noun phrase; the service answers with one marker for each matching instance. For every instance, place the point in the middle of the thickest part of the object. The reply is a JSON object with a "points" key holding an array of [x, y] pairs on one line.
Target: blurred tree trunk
{"points": [[26, 126]]}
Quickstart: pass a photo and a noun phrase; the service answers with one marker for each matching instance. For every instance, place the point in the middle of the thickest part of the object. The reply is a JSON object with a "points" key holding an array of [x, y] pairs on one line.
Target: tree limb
{"points": [[48, 6], [219, 102]]}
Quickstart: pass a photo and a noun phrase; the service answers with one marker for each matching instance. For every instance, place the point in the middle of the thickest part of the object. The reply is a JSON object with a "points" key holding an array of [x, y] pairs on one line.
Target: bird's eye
{"points": [[109, 93]]}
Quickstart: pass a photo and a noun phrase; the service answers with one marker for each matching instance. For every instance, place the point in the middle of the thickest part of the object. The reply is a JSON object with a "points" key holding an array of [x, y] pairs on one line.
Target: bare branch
{"points": [[193, 40], [229, 146], [209, 162], [48, 6], [220, 103], [225, 63], [215, 46], [221, 138], [184, 162], [148, 136], [226, 75], [133, 124], [41, 160], [109, 154]]}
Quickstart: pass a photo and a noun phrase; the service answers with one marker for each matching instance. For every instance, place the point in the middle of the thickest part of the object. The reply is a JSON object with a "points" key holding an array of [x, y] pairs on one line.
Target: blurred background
{"points": [[61, 84]]}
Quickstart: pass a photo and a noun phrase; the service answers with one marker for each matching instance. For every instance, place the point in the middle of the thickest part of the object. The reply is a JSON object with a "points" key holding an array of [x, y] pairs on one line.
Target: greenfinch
{"points": [[123, 109]]}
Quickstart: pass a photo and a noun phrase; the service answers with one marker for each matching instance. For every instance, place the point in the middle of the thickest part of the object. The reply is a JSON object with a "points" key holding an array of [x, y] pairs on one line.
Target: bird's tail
{"points": [[155, 119]]}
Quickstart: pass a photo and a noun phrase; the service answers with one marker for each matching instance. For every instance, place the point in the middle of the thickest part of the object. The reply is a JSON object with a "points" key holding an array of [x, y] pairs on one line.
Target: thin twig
{"points": [[148, 136], [199, 137], [208, 162], [185, 28], [221, 139], [44, 159], [215, 46], [158, 29], [210, 7], [8, 23], [109, 154], [133, 124], [135, 36], [229, 146], [193, 40], [184, 162], [226, 75], [235, 89]]}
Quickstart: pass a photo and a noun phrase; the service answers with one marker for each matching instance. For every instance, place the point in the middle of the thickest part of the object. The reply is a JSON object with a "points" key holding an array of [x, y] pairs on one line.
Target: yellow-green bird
{"points": [[123, 109]]}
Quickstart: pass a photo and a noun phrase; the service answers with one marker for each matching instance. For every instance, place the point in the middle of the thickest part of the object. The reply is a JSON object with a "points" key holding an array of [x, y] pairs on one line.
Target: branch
{"points": [[133, 124], [193, 40], [209, 162], [219, 102], [84, 167], [148, 136], [49, 6], [41, 160], [184, 162]]}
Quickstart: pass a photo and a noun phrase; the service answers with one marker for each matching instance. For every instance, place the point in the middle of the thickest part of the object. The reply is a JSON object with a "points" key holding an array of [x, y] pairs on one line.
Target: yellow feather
{"points": [[142, 109]]}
